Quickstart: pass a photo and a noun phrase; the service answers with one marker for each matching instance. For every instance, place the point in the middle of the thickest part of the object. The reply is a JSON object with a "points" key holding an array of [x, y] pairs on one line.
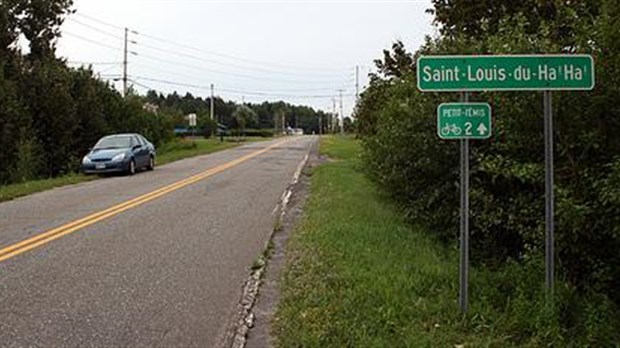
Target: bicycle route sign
{"points": [[505, 73], [464, 121]]}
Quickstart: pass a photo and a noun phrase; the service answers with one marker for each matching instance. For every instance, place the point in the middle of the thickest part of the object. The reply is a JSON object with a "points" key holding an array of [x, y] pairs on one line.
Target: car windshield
{"points": [[116, 142]]}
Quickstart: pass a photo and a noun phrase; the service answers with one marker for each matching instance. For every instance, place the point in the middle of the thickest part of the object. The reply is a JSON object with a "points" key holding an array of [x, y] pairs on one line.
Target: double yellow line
{"points": [[58, 232]]}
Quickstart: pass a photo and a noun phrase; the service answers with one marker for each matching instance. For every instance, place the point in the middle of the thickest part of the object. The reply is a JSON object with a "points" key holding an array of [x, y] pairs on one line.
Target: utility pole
{"points": [[212, 104], [334, 117], [125, 53], [341, 114], [125, 64], [212, 107], [283, 121], [320, 124]]}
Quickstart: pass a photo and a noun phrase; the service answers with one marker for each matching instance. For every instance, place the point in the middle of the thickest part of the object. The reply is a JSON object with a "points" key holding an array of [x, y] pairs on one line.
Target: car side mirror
{"points": [[135, 147]]}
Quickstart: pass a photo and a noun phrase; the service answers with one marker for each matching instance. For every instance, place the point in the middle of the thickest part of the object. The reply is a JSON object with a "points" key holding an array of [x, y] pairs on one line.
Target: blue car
{"points": [[123, 153]]}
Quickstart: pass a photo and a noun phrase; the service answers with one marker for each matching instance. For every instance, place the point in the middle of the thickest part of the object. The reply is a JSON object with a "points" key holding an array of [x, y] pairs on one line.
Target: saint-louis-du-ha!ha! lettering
{"points": [[544, 72]]}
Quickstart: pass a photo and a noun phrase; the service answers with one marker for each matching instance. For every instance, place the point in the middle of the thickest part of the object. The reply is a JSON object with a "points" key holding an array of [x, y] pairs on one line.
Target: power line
{"points": [[191, 66], [92, 63], [143, 85], [244, 76], [223, 55], [98, 20], [265, 93], [175, 73], [229, 56], [253, 93], [270, 71], [95, 28], [91, 41], [107, 69], [108, 79], [341, 83]]}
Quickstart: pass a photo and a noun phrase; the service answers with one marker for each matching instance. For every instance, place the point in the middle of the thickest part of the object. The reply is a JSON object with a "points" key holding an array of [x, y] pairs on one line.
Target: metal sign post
{"points": [[464, 121], [549, 195], [535, 72], [464, 221]]}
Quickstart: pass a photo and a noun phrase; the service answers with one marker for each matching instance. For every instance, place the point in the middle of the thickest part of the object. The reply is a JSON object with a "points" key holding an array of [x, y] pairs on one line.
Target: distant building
{"points": [[294, 131], [150, 107]]}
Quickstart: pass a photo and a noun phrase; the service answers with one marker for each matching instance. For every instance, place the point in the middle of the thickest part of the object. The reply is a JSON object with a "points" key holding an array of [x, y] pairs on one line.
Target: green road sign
{"points": [[505, 72], [464, 121]]}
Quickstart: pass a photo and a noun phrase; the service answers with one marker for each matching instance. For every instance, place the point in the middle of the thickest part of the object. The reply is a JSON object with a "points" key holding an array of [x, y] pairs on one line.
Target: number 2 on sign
{"points": [[468, 126]]}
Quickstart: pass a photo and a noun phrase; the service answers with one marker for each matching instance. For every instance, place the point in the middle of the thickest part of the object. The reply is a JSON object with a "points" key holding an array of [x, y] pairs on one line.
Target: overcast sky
{"points": [[300, 52]]}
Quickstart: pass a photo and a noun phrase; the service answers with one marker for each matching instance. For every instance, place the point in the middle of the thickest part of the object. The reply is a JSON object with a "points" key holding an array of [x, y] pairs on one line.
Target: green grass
{"points": [[358, 275], [181, 149], [169, 152], [9, 192]]}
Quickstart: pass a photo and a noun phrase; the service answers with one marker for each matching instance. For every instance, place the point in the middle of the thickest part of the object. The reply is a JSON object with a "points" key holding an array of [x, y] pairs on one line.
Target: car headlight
{"points": [[86, 160], [119, 157]]}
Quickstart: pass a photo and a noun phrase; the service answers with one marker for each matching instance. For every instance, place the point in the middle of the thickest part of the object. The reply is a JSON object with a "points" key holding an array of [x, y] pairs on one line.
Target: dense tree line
{"points": [[50, 114], [403, 153], [269, 115]]}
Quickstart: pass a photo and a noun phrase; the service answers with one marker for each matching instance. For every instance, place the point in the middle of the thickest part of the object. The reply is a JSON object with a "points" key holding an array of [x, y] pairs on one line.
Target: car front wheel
{"points": [[131, 170], [151, 165]]}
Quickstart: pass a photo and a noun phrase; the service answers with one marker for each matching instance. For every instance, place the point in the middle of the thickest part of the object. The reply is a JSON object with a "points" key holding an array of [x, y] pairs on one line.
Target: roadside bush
{"points": [[61, 114], [263, 133], [405, 157], [207, 126], [29, 159], [176, 145], [403, 153]]}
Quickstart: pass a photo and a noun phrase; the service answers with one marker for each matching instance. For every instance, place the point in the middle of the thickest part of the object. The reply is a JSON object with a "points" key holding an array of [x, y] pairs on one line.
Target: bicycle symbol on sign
{"points": [[451, 129]]}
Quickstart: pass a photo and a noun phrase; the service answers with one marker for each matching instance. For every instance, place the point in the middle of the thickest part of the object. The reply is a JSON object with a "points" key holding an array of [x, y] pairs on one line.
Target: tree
{"points": [[47, 88], [348, 125], [242, 116], [397, 62], [8, 25], [402, 153], [40, 21]]}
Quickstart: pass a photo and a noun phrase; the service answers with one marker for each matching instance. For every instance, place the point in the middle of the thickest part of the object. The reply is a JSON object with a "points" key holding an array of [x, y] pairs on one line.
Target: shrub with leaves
{"points": [[403, 153]]}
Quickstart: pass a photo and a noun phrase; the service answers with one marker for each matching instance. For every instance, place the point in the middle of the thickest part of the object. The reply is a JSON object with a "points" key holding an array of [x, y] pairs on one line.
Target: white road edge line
{"points": [[246, 317]]}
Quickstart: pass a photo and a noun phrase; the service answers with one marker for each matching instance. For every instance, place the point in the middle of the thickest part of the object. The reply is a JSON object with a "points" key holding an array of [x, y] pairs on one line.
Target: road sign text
{"points": [[514, 72], [464, 121]]}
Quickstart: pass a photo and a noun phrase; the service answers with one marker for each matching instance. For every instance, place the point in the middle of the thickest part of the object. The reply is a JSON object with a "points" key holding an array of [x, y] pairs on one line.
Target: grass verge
{"points": [[358, 275], [12, 191], [185, 148], [169, 152]]}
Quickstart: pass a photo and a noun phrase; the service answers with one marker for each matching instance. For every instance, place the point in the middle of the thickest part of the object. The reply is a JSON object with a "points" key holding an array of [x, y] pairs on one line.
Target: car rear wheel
{"points": [[151, 165], [132, 168]]}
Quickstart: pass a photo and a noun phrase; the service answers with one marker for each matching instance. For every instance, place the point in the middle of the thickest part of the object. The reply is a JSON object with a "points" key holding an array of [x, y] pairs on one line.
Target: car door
{"points": [[144, 150], [138, 153], [150, 149]]}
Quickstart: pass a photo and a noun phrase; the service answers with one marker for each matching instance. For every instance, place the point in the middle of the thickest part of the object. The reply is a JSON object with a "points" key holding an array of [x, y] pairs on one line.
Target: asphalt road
{"points": [[166, 272]]}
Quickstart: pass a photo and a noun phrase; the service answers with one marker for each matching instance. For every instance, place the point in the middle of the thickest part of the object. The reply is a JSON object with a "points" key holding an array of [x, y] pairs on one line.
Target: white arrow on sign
{"points": [[482, 129]]}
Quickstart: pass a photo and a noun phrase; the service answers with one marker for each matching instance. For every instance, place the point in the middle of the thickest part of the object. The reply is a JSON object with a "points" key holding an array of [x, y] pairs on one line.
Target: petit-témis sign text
{"points": [[464, 121], [505, 72]]}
